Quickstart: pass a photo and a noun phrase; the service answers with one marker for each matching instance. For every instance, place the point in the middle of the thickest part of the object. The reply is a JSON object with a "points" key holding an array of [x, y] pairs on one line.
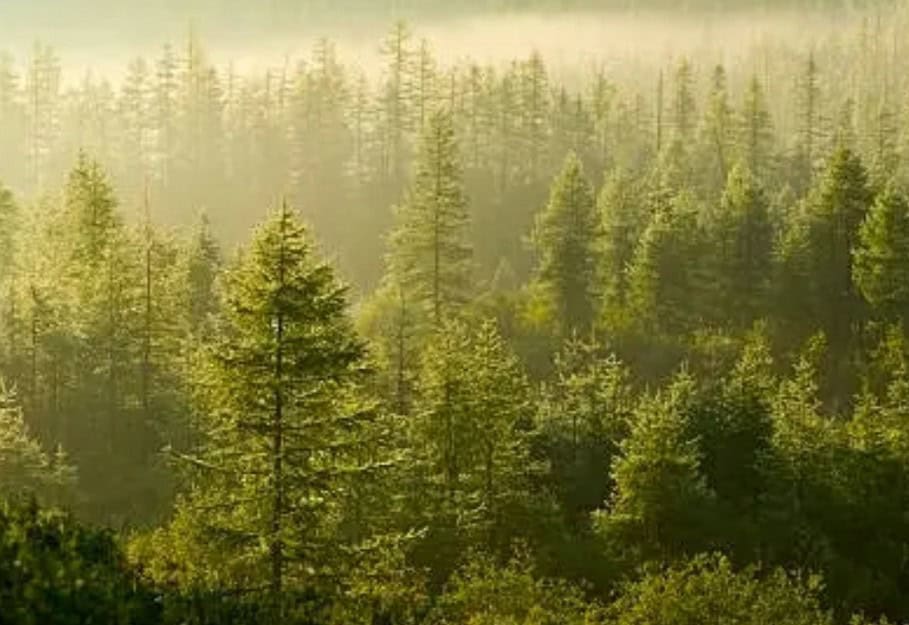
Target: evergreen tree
{"points": [[202, 264], [743, 239], [566, 238], [9, 231], [881, 256], [666, 276], [810, 131], [683, 102], [25, 467], [395, 100], [719, 130], [535, 105], [471, 438], [660, 501], [622, 225], [584, 414], [282, 423], [755, 131], [818, 291], [710, 585], [98, 381], [429, 250]]}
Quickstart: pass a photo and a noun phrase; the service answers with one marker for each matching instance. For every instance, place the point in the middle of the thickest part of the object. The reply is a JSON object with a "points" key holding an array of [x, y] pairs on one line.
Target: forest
{"points": [[458, 341]]}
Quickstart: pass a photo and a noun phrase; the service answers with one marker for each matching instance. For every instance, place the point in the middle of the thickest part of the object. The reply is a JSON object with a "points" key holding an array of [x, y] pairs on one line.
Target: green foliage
{"points": [[284, 432], [660, 500], [565, 238], [666, 274], [881, 254], [482, 593], [25, 467], [56, 571], [622, 223], [710, 585], [584, 416], [430, 254], [816, 290], [471, 442], [741, 236]]}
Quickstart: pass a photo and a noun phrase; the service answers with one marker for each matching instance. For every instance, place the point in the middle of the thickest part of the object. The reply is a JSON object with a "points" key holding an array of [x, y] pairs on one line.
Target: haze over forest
{"points": [[527, 312]]}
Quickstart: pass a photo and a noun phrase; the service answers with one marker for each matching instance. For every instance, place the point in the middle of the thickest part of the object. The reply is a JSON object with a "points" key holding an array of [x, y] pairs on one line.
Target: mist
{"points": [[421, 312]]}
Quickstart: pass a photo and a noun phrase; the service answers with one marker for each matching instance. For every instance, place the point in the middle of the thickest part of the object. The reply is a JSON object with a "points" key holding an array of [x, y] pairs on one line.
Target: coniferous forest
{"points": [[436, 340]]}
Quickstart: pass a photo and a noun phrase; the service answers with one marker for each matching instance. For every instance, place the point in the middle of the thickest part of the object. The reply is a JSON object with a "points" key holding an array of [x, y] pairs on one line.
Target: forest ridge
{"points": [[499, 343]]}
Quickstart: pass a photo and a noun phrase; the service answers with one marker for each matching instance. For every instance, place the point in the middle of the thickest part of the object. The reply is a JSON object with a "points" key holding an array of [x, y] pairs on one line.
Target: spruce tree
{"points": [[25, 466], [742, 239], [584, 413], [718, 131], [470, 436], [282, 425], [201, 265], [660, 498], [816, 289], [430, 253], [622, 223], [683, 102], [881, 257], [755, 137], [566, 238], [666, 281], [9, 235]]}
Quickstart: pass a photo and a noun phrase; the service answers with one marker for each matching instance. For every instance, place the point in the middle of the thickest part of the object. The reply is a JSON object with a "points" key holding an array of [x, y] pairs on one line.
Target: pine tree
{"points": [[202, 264], [534, 112], [164, 111], [395, 326], [104, 287], [135, 132], [424, 86], [9, 231], [566, 238], [12, 124], [43, 111], [881, 256], [429, 250], [283, 426], [322, 141]]}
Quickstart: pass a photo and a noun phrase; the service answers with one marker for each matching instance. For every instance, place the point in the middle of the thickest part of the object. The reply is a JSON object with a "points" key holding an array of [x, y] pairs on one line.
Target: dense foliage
{"points": [[635, 355]]}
